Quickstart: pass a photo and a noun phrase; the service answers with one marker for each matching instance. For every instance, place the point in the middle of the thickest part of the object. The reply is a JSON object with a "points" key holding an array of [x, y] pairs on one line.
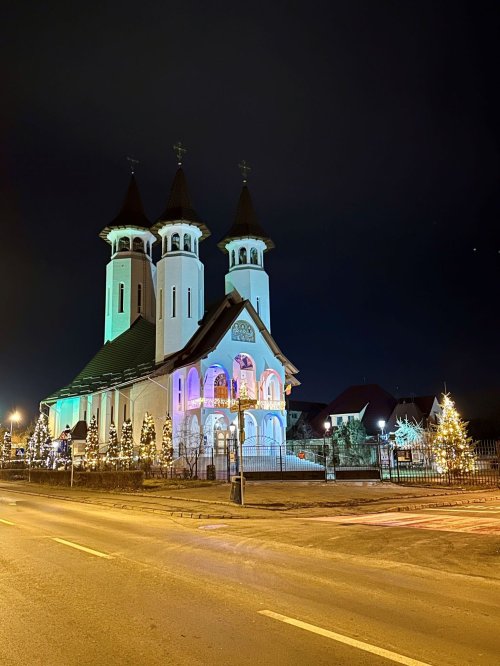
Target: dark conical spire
{"points": [[179, 206], [245, 223], [131, 213]]}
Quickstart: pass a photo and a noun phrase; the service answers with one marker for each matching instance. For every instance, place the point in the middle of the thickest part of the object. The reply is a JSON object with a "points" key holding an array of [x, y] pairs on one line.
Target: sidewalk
{"points": [[267, 499]]}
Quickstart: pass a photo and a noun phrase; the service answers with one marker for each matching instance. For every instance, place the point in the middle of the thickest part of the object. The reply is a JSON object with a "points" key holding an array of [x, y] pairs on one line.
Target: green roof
{"points": [[129, 356]]}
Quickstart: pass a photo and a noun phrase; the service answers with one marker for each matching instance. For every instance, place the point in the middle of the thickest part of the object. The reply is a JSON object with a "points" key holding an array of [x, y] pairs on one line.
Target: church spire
{"points": [[179, 206], [131, 214], [245, 223]]}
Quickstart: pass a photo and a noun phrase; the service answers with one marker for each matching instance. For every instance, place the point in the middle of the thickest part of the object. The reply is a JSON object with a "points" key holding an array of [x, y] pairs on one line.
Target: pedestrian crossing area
{"points": [[423, 521]]}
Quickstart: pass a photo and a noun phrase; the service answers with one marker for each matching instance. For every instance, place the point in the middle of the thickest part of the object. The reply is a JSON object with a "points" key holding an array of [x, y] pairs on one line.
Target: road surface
{"points": [[83, 584]]}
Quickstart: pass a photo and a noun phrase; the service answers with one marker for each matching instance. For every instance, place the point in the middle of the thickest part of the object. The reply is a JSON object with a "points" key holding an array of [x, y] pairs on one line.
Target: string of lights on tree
{"points": [[452, 447]]}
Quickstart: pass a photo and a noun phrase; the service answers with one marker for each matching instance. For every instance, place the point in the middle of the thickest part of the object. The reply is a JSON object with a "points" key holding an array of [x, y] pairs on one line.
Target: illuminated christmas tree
{"points": [[92, 445], [38, 450], [453, 448], [113, 452], [5, 448], [147, 447], [126, 445], [167, 448]]}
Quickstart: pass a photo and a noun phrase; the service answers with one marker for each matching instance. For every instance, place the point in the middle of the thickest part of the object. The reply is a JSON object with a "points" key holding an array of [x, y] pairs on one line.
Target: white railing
{"points": [[225, 403]]}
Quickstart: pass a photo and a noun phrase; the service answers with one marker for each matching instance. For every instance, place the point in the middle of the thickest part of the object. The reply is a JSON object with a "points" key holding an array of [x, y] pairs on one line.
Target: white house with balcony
{"points": [[164, 352]]}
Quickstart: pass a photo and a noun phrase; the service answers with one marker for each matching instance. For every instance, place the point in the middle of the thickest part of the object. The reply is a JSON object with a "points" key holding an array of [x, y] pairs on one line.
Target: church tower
{"points": [[245, 244], [130, 275], [180, 273]]}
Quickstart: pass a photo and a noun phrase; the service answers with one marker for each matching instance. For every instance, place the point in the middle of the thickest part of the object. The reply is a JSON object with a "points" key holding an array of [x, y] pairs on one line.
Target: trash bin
{"points": [[236, 489], [210, 472]]}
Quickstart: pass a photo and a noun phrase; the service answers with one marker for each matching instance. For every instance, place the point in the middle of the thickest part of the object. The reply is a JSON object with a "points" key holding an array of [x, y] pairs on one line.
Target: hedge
{"points": [[129, 479]]}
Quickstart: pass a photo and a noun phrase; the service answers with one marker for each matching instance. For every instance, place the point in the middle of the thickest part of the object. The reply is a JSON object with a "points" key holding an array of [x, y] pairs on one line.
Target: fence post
{"points": [[281, 465], [228, 465]]}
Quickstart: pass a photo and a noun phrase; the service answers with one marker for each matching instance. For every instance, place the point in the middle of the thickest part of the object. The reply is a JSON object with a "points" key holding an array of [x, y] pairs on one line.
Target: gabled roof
{"points": [[213, 327], [245, 223], [129, 356], [425, 403], [179, 207], [131, 215], [379, 405], [306, 407]]}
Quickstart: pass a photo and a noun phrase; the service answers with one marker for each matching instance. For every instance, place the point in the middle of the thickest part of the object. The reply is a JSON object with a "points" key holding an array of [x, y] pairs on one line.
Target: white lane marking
{"points": [[6, 522], [85, 550], [387, 654]]}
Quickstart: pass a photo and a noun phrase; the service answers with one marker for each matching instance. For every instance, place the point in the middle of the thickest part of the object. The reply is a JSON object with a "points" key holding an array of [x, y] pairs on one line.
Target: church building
{"points": [[164, 352]]}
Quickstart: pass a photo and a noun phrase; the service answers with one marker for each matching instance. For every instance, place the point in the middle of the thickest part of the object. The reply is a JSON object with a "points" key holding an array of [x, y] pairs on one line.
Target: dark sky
{"points": [[373, 131]]}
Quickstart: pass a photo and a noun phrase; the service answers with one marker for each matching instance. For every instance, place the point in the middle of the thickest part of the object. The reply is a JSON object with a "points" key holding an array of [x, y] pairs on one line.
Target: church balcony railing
{"points": [[225, 403]]}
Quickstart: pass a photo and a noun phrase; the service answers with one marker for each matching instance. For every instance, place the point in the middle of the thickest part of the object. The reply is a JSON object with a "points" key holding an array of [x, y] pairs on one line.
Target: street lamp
{"points": [[15, 417], [381, 425], [328, 431]]}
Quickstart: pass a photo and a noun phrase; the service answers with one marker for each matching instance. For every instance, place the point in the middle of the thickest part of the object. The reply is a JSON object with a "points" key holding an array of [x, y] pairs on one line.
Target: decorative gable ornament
{"points": [[242, 332]]}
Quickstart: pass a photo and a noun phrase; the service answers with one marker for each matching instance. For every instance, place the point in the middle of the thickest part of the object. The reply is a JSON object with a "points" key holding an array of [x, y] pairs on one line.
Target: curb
{"points": [[429, 505]]}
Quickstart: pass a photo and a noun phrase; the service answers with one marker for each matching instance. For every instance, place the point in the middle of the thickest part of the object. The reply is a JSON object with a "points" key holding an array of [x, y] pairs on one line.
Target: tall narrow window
{"points": [[139, 298], [164, 244], [173, 301], [189, 302], [187, 243], [175, 242], [258, 305], [161, 304], [97, 416], [125, 411], [85, 416], [179, 394], [112, 413], [242, 255], [121, 296], [233, 258]]}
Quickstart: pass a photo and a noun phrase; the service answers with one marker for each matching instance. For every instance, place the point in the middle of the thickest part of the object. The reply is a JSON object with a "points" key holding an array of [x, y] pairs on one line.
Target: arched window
{"points": [[175, 242], [242, 259], [189, 303], [124, 244], [254, 259], [121, 296], [233, 258], [174, 304], [139, 298], [138, 245], [149, 248], [187, 243], [164, 245]]}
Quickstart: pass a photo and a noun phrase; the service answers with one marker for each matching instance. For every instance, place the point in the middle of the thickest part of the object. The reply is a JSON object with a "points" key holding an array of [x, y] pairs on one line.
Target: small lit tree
{"points": [[147, 447], [409, 433], [113, 452], [349, 444], [92, 445], [126, 445], [39, 444], [5, 448], [167, 449], [452, 447], [190, 442]]}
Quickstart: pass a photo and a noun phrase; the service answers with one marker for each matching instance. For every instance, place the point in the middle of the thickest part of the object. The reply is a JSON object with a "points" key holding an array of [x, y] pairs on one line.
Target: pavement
{"points": [[268, 499]]}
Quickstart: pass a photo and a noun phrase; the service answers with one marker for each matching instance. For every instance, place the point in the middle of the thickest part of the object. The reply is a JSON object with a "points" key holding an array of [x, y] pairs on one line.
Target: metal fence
{"points": [[419, 465]]}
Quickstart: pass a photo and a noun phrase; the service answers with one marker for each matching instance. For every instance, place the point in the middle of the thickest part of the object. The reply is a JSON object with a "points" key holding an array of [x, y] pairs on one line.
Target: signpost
{"points": [[242, 404]]}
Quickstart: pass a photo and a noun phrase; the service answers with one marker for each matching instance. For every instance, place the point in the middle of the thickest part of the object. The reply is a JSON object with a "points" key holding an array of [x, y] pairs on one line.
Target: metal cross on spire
{"points": [[133, 164], [245, 170], [180, 151]]}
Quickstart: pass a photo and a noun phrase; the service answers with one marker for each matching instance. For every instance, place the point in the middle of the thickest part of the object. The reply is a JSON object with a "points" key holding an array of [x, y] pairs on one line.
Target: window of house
{"points": [[187, 243], [179, 393], [161, 304], [242, 259], [339, 420], [350, 418], [189, 303], [112, 414], [97, 416], [258, 305], [175, 242], [125, 411], [138, 245], [254, 259], [233, 258]]}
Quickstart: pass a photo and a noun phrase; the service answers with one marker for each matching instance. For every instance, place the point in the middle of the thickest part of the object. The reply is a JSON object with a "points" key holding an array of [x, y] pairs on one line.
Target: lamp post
{"points": [[15, 417], [232, 430], [328, 431], [381, 425]]}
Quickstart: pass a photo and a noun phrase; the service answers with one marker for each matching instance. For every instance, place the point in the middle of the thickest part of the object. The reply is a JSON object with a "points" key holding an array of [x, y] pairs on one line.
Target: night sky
{"points": [[372, 129]]}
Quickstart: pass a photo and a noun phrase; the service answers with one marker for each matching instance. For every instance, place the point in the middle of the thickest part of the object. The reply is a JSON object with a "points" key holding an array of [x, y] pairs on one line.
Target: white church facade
{"points": [[164, 352]]}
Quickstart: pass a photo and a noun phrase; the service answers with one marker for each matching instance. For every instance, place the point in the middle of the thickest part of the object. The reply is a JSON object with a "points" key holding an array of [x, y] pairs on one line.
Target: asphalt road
{"points": [[83, 584]]}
